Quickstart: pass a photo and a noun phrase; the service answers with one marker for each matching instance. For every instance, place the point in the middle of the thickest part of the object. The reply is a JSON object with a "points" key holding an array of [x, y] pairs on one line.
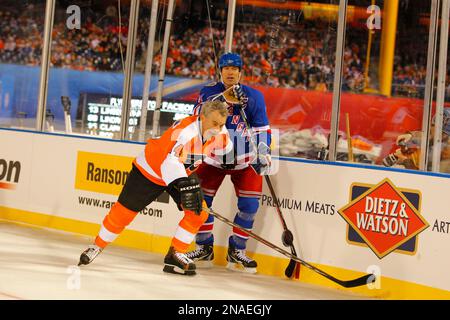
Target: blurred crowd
{"points": [[296, 59], [20, 38], [99, 45], [282, 53]]}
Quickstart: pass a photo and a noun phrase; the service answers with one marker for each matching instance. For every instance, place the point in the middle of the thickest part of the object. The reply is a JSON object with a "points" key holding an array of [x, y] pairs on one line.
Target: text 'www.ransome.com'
{"points": [[99, 203]]}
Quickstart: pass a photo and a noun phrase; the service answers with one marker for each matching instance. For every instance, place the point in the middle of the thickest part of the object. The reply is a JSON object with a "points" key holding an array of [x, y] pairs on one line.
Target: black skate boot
{"points": [[203, 255], [179, 263], [239, 261], [89, 254]]}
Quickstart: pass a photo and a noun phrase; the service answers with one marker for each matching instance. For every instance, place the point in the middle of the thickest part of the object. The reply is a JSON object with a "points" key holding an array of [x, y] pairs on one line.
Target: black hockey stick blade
{"points": [[366, 279], [287, 237], [290, 269], [361, 281], [289, 272]]}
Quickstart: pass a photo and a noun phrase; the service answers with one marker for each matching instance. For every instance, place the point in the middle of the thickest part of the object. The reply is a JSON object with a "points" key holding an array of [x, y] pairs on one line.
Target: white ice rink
{"points": [[37, 263]]}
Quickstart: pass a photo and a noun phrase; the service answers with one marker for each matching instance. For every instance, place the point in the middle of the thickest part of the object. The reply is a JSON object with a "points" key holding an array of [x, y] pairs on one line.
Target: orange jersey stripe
{"points": [[179, 245], [100, 242]]}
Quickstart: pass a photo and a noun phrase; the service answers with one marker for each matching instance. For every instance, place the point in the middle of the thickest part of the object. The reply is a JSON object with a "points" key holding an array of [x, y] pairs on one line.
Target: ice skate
{"points": [[179, 263], [239, 261], [203, 255], [89, 254]]}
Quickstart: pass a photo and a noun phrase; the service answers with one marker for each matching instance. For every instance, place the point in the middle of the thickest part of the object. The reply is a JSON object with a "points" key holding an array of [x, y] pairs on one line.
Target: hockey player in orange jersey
{"points": [[166, 164]]}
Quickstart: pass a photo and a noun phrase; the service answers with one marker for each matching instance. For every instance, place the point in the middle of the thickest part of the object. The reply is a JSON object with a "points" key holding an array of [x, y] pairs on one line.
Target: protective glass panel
{"points": [[89, 43], [443, 151], [197, 36], [383, 82], [21, 40], [288, 52]]}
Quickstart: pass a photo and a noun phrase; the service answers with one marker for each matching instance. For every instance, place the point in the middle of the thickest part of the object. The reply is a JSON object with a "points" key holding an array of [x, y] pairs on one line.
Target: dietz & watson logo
{"points": [[384, 217], [9, 174], [104, 173]]}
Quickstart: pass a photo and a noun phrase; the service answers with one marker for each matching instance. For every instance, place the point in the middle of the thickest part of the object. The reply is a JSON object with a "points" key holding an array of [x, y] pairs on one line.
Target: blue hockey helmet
{"points": [[230, 59]]}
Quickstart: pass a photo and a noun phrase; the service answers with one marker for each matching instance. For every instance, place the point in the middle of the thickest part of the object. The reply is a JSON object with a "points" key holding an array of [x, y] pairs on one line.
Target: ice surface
{"points": [[39, 263]]}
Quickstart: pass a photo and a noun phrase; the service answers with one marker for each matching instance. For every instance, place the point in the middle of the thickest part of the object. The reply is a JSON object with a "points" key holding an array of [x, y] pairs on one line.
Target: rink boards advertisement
{"points": [[346, 219], [384, 217]]}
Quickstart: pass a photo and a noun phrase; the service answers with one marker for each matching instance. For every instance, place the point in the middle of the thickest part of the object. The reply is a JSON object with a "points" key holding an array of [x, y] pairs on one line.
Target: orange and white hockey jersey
{"points": [[179, 151]]}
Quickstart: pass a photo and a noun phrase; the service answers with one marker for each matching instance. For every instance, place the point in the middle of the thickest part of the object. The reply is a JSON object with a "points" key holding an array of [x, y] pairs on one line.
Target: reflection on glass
{"points": [[195, 45], [89, 43], [383, 82], [289, 54], [407, 154], [445, 146], [444, 165], [21, 39], [197, 40]]}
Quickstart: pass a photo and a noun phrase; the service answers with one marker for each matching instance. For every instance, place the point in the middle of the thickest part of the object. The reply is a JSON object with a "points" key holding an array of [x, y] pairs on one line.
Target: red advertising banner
{"points": [[376, 118]]}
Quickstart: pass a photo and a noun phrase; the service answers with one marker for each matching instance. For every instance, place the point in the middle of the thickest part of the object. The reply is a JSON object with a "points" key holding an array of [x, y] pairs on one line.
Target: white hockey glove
{"points": [[263, 160], [239, 94]]}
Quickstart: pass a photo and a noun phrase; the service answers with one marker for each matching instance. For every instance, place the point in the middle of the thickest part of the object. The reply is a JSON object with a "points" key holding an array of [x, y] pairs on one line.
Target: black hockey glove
{"points": [[191, 194], [390, 160]]}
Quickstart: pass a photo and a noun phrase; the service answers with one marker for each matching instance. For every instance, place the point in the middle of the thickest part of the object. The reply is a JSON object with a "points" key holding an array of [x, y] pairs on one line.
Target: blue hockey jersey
{"points": [[255, 111]]}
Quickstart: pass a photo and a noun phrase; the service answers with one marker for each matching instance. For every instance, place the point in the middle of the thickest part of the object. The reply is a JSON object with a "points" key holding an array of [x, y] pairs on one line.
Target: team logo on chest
{"points": [[240, 127], [235, 119]]}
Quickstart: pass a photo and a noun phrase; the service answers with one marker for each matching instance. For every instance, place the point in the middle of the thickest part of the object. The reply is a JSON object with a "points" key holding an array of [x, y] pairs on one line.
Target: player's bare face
{"points": [[212, 124], [230, 76]]}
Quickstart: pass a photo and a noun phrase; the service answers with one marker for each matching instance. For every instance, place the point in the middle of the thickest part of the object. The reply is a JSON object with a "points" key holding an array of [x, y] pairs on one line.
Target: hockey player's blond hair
{"points": [[210, 106]]}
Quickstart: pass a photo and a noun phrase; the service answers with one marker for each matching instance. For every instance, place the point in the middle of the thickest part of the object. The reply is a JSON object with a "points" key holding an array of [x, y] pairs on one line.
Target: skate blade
{"points": [[240, 268], [176, 270]]}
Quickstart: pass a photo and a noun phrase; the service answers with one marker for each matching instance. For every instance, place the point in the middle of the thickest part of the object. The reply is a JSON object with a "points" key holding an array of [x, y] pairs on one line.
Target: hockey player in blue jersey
{"points": [[244, 165]]}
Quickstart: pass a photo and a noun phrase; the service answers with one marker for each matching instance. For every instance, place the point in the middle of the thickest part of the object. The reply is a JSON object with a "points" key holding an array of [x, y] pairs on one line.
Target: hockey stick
{"points": [[223, 93], [366, 279], [287, 237], [349, 139]]}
